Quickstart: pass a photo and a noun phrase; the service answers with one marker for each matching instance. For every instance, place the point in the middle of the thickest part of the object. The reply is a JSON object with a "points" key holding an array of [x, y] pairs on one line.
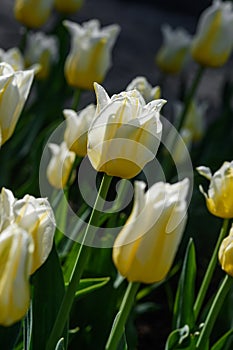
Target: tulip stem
{"points": [[23, 40], [210, 270], [78, 269], [76, 99], [213, 312], [189, 97], [121, 318]]}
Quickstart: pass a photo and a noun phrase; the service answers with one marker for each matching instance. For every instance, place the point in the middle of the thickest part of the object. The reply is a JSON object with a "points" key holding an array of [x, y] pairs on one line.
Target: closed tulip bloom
{"points": [[42, 50], [33, 215], [219, 199], [148, 92], [212, 43], [172, 55], [90, 55], [33, 13], [77, 125], [60, 165], [16, 250], [36, 217], [225, 254], [14, 90], [145, 248], [68, 6], [125, 133], [13, 57]]}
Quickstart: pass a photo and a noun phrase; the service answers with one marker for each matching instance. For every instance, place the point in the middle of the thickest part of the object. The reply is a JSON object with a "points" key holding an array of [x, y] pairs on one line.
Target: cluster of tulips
{"points": [[108, 249]]}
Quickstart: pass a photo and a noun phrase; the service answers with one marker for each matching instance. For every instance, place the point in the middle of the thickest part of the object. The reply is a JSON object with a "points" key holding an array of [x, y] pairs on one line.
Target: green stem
{"points": [[76, 99], [210, 270], [121, 318], [78, 268], [23, 40], [213, 312], [189, 97]]}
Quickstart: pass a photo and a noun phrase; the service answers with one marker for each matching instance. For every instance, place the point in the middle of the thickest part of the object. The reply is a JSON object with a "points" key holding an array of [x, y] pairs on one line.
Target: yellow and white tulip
{"points": [[145, 248], [125, 133]]}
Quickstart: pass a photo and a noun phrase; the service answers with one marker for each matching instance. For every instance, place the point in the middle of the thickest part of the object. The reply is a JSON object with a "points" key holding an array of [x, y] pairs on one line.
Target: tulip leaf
{"points": [[221, 343], [183, 308], [48, 292], [28, 329], [177, 337], [60, 345], [88, 285]]}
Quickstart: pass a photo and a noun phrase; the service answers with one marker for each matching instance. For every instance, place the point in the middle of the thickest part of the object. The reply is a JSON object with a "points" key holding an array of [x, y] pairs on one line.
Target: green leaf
{"points": [[183, 308], [221, 343], [89, 285], [60, 345], [47, 296], [177, 337]]}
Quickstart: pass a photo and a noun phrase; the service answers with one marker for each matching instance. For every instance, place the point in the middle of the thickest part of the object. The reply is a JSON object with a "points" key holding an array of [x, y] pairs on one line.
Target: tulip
{"points": [[60, 165], [34, 216], [16, 250], [219, 199], [42, 50], [125, 133], [90, 55], [225, 254], [77, 125], [14, 90], [68, 6], [145, 248], [194, 121], [33, 13], [212, 43], [148, 92], [13, 57], [173, 53]]}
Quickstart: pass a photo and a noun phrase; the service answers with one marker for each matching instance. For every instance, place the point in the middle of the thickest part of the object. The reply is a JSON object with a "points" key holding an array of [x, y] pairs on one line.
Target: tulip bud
{"points": [[41, 49], [68, 6], [13, 57], [172, 55], [90, 55], [148, 92], [16, 250], [125, 133], [145, 248], [219, 199], [14, 90], [212, 43], [77, 125], [60, 165], [33, 13], [225, 254], [34, 216]]}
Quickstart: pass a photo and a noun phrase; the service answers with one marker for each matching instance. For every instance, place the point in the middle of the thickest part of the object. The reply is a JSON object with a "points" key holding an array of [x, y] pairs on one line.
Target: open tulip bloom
{"points": [[125, 134], [219, 199]]}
